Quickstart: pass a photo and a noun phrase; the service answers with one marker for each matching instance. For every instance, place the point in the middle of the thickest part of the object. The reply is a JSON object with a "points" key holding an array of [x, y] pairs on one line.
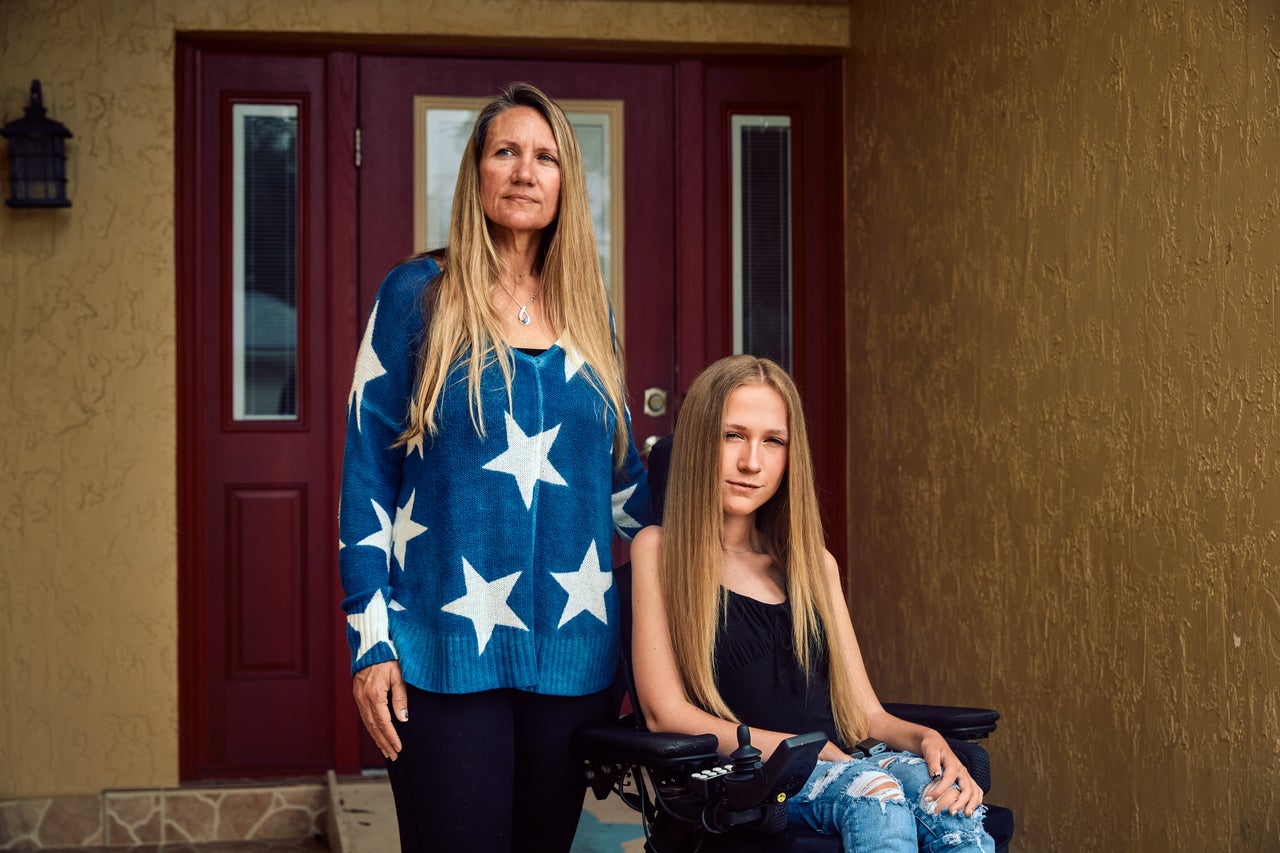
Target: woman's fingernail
{"points": [[404, 715]]}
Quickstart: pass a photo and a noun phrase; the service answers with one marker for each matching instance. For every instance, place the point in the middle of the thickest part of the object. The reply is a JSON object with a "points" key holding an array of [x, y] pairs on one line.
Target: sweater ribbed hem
{"points": [[556, 665]]}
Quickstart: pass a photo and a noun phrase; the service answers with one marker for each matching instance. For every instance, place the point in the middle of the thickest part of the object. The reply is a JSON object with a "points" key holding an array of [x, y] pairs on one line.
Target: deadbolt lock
{"points": [[655, 402]]}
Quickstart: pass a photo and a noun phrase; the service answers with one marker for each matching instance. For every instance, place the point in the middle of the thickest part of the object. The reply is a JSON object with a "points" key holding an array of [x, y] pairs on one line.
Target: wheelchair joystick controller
{"points": [[745, 784], [746, 758], [748, 791]]}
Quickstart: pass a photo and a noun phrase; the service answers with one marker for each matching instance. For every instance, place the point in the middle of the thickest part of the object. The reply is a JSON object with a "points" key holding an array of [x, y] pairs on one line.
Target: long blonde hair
{"points": [[790, 532], [461, 319]]}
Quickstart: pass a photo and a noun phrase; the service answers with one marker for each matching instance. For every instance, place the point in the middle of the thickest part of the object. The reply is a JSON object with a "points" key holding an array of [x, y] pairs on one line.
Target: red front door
{"points": [[263, 663]]}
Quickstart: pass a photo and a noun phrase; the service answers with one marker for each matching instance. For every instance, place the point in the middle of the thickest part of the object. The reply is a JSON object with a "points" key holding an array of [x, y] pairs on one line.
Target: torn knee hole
{"points": [[887, 791], [878, 786]]}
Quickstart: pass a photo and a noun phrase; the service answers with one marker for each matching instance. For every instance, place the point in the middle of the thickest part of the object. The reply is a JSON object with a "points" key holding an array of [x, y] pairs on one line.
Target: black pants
{"points": [[491, 772]]}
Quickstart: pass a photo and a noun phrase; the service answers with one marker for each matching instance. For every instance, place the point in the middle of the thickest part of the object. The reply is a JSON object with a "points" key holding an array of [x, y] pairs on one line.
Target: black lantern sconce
{"points": [[37, 157]]}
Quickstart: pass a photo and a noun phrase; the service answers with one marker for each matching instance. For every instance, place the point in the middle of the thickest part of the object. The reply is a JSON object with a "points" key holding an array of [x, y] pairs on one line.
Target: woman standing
{"points": [[488, 462], [739, 617]]}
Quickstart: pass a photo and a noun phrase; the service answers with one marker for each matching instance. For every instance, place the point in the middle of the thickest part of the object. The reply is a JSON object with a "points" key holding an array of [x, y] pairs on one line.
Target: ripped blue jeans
{"points": [[891, 819]]}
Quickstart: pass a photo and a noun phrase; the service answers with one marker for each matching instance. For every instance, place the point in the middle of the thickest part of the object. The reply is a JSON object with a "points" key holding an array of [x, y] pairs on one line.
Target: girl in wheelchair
{"points": [[739, 617]]}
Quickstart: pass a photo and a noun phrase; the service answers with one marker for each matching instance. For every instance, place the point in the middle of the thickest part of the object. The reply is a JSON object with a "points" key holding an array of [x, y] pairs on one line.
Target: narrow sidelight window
{"points": [[762, 236], [265, 262]]}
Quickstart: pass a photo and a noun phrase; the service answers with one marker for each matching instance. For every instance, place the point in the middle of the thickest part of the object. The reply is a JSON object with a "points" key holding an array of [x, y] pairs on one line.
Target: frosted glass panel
{"points": [[264, 262]]}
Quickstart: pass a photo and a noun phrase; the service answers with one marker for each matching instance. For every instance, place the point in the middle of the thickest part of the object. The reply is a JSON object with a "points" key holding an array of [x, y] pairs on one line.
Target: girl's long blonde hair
{"points": [[790, 532], [461, 319]]}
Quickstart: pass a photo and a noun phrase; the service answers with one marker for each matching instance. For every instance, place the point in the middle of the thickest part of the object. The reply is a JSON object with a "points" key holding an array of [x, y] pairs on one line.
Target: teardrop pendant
{"points": [[523, 316]]}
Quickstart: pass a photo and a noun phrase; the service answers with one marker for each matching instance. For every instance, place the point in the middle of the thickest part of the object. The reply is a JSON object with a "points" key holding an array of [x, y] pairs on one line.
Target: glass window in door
{"points": [[762, 263], [264, 269]]}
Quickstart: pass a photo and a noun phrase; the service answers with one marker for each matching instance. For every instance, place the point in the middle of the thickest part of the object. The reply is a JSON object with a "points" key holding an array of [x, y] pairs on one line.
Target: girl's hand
{"points": [[952, 788]]}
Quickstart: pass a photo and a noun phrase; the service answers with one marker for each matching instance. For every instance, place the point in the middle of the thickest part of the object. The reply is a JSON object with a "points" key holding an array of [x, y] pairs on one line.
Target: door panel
{"points": [[807, 91], [257, 618], [388, 86]]}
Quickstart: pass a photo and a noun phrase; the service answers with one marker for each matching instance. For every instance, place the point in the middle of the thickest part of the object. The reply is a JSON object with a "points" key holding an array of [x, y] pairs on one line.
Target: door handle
{"points": [[655, 402]]}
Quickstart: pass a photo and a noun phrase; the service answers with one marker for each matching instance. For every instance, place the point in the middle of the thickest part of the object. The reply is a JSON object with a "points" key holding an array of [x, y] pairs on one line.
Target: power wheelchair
{"points": [[691, 800]]}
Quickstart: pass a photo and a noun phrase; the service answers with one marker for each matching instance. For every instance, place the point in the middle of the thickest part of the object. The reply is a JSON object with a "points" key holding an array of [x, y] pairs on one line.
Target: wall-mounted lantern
{"points": [[37, 157]]}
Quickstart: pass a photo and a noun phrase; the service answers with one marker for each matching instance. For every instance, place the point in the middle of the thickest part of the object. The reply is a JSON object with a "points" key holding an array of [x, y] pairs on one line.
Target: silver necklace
{"points": [[523, 316], [749, 551]]}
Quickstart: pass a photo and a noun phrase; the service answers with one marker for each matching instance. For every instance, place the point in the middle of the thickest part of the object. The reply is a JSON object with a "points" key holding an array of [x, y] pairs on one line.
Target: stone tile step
{"points": [[220, 816], [275, 845]]}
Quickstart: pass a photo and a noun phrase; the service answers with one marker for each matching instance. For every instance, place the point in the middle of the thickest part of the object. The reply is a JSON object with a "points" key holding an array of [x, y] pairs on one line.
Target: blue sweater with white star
{"points": [[481, 562]]}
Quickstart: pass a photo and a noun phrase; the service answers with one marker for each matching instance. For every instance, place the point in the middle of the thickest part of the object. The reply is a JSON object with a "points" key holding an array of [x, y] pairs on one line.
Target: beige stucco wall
{"points": [[1065, 399], [88, 578]]}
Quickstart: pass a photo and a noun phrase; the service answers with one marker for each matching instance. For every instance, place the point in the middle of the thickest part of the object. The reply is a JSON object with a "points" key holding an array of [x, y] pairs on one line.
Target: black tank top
{"points": [[759, 677]]}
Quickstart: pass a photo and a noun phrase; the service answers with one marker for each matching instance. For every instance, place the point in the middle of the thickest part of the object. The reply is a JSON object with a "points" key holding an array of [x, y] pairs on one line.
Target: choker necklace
{"points": [[749, 551], [523, 316]]}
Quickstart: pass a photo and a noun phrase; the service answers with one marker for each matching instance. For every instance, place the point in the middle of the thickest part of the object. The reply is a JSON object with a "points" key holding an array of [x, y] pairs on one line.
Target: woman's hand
{"points": [[952, 788], [370, 687]]}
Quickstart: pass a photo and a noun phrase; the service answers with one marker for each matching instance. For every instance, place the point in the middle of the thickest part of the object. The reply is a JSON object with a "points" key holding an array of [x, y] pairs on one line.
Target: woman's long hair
{"points": [[790, 531], [461, 319]]}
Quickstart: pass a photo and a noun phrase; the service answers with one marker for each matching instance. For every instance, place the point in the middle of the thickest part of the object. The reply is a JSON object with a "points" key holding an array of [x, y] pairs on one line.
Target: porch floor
{"points": [[363, 820]]}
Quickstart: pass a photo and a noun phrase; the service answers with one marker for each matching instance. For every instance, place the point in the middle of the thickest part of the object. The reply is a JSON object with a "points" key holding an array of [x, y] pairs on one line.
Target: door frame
{"points": [[694, 348]]}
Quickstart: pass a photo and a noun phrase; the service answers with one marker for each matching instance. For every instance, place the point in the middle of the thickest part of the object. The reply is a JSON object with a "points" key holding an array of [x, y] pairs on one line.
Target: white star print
{"points": [[368, 368], [380, 539], [526, 459], [405, 528], [620, 516], [586, 588], [372, 626], [572, 362], [413, 444], [485, 604]]}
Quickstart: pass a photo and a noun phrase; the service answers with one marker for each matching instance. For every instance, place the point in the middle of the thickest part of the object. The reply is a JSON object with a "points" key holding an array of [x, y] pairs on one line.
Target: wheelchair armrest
{"points": [[951, 722], [620, 743]]}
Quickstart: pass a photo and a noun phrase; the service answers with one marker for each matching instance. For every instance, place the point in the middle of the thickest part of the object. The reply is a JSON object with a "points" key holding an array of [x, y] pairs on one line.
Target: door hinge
{"points": [[358, 153]]}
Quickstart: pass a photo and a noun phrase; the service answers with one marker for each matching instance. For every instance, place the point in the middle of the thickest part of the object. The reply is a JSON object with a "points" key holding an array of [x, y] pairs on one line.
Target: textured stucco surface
{"points": [[1065, 424], [88, 576]]}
